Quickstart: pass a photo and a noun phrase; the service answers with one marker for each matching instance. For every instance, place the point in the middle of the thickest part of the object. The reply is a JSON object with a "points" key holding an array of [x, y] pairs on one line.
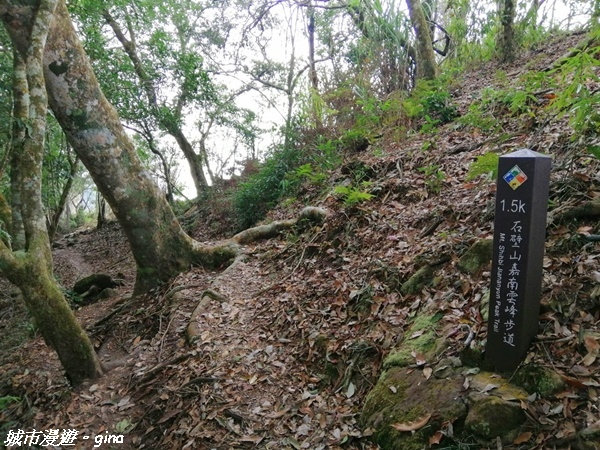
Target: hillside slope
{"points": [[291, 339]]}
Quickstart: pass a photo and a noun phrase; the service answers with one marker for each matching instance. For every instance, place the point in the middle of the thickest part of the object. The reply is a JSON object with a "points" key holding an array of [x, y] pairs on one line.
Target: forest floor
{"points": [[295, 340]]}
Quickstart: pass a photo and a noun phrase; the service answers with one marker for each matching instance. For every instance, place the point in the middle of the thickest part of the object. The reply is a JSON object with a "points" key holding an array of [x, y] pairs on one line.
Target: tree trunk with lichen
{"points": [[506, 37], [20, 109], [426, 66], [31, 269], [160, 247]]}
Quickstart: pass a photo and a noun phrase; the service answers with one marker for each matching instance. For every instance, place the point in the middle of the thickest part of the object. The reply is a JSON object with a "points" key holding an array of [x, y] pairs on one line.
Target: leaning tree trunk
{"points": [[426, 66], [31, 270], [160, 247]]}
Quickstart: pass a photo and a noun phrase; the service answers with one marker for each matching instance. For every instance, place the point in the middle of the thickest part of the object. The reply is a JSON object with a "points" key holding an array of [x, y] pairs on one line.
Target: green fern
{"points": [[351, 195], [484, 164]]}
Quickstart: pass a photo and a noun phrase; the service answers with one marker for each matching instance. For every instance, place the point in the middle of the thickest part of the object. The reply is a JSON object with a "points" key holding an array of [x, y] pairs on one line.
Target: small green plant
{"points": [[434, 177], [327, 154], [594, 150], [124, 426], [351, 195], [480, 117], [579, 99], [430, 126], [484, 164], [438, 106], [7, 400], [263, 189], [306, 171]]}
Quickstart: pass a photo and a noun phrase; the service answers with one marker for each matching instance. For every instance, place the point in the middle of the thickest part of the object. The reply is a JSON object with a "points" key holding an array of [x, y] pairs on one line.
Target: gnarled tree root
{"points": [[230, 249], [221, 254], [193, 330]]}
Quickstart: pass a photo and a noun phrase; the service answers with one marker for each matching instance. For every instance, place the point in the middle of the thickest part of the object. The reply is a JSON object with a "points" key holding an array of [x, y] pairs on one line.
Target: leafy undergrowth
{"points": [[286, 359]]}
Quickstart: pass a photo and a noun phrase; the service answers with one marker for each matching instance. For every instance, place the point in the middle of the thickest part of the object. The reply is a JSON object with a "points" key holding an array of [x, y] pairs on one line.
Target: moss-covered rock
{"points": [[477, 257], [403, 396], [494, 408], [541, 380], [100, 280], [418, 280], [421, 339], [491, 417]]}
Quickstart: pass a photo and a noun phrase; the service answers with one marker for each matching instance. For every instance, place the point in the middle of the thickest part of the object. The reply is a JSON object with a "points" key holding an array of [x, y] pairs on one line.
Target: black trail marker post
{"points": [[519, 234]]}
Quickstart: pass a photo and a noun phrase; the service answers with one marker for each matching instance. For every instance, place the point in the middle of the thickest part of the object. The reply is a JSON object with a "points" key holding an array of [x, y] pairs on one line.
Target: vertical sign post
{"points": [[519, 235]]}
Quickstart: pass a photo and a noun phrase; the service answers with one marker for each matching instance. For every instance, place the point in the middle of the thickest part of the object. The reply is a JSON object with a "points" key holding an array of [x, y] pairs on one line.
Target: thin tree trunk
{"points": [[101, 217], [426, 66], [64, 196], [19, 130], [163, 161], [170, 125], [5, 220], [595, 19], [312, 71], [507, 36]]}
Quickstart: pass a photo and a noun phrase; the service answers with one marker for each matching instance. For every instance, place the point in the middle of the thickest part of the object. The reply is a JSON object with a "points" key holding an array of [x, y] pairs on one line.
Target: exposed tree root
{"points": [[193, 330], [221, 254], [587, 210], [231, 249]]}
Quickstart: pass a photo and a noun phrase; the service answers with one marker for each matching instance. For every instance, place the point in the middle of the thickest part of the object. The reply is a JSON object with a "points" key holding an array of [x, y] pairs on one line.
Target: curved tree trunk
{"points": [[170, 125], [31, 270], [160, 247]]}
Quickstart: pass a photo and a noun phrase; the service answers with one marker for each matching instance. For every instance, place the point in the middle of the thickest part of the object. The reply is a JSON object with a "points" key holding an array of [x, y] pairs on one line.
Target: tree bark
{"points": [[426, 66], [31, 270], [5, 220], [20, 110], [507, 36]]}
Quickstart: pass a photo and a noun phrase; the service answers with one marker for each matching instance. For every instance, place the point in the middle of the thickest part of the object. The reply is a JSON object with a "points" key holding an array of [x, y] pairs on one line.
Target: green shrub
{"points": [[263, 189], [438, 106], [434, 177]]}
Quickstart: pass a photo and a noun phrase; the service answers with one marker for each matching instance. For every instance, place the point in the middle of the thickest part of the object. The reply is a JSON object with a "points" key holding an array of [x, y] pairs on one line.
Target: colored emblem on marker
{"points": [[515, 177]]}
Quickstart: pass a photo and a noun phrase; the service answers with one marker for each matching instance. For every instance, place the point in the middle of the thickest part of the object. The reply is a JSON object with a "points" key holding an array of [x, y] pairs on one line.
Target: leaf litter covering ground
{"points": [[285, 361]]}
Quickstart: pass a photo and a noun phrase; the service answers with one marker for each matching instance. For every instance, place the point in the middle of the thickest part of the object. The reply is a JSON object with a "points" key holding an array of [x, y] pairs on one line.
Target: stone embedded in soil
{"points": [[403, 395]]}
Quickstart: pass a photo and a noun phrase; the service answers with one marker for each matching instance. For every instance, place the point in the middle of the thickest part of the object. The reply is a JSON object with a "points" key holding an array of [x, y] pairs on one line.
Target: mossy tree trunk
{"points": [[507, 35], [426, 65], [31, 269], [20, 109], [160, 247]]}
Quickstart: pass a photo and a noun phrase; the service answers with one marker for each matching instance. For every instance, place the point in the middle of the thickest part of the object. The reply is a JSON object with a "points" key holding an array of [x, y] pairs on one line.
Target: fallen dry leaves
{"points": [[287, 360]]}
